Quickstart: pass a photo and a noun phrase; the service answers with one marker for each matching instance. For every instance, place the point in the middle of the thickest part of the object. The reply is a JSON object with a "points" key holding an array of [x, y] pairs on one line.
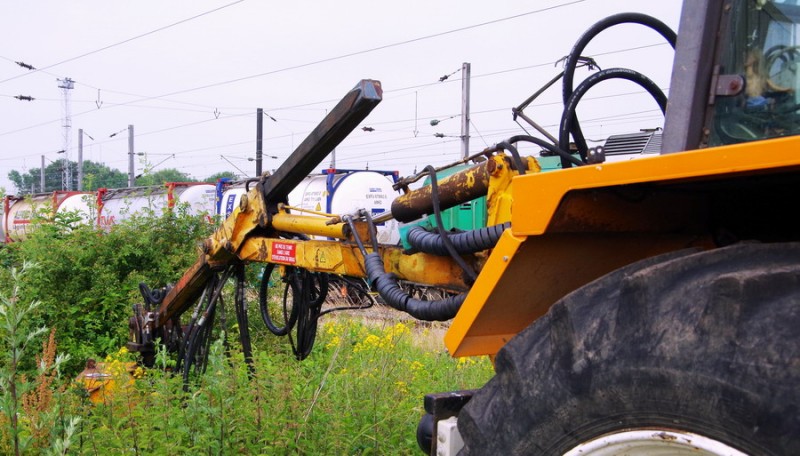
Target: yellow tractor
{"points": [[641, 306]]}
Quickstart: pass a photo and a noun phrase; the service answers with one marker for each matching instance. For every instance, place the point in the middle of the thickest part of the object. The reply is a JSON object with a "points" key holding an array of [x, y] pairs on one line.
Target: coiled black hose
{"points": [[387, 286], [568, 118], [575, 54], [153, 298], [467, 242]]}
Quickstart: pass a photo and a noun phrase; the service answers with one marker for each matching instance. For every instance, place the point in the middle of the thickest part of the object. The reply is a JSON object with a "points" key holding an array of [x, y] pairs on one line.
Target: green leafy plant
{"points": [[87, 279], [17, 392]]}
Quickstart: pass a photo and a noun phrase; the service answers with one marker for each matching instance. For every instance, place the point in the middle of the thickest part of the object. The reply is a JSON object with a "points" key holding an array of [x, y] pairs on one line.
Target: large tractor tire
{"points": [[695, 353]]}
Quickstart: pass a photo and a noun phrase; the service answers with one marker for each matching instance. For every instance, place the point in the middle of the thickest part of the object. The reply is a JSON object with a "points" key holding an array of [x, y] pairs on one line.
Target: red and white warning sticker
{"points": [[283, 252]]}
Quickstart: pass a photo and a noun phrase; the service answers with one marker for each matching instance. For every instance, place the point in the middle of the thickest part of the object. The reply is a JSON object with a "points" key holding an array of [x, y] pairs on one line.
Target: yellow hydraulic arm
{"points": [[262, 229]]}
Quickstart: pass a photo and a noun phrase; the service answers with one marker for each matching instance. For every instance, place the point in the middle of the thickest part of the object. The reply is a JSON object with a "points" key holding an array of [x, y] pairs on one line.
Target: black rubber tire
{"points": [[700, 342]]}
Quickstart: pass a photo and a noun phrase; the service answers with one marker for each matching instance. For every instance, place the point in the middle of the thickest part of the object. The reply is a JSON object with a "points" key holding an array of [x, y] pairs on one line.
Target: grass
{"points": [[359, 393]]}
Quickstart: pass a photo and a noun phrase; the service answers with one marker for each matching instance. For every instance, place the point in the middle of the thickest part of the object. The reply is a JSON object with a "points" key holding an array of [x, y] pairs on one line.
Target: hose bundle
{"points": [[465, 242], [390, 291]]}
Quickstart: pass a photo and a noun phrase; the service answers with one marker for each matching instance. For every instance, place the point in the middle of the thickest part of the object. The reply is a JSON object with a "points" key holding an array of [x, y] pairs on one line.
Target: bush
{"points": [[86, 279]]}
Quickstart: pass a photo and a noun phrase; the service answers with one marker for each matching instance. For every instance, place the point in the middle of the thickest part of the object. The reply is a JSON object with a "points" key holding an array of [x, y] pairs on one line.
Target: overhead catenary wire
{"points": [[327, 101], [104, 48], [343, 150], [307, 64], [374, 49], [304, 105]]}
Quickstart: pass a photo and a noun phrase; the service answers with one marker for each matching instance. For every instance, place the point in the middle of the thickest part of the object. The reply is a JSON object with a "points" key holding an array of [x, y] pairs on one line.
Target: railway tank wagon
{"points": [[335, 191], [117, 205], [20, 212]]}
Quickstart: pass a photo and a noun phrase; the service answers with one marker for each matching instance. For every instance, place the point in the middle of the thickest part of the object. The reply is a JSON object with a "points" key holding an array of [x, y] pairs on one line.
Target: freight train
{"points": [[105, 207], [332, 191]]}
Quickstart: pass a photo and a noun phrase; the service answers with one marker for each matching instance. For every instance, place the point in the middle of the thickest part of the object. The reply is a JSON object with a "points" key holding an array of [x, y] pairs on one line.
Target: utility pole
{"points": [[66, 85], [41, 176], [465, 77], [80, 160], [81, 134], [131, 177], [259, 139]]}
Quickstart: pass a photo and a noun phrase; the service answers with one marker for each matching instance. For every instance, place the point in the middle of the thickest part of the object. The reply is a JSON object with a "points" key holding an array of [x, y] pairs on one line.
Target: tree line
{"points": [[97, 175]]}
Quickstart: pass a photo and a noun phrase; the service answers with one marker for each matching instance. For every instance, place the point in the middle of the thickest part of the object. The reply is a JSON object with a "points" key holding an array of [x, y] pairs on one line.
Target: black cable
{"points": [[289, 315], [550, 147], [319, 287], [363, 294], [571, 62], [248, 182], [240, 304], [373, 233], [349, 220], [198, 340], [152, 297], [573, 57], [308, 315], [505, 145], [568, 117], [223, 321], [440, 226], [192, 321], [200, 337]]}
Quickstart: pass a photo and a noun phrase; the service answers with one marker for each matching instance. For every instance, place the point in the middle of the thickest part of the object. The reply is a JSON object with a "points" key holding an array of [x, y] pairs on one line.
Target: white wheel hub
{"points": [[653, 442]]}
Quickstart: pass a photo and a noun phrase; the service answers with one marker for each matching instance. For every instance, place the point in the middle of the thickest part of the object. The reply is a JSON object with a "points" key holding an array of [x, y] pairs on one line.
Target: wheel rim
{"points": [[653, 442]]}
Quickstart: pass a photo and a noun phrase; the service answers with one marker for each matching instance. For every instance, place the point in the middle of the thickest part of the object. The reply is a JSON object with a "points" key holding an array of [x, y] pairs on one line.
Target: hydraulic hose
{"points": [[467, 242], [572, 59], [388, 288], [550, 147], [515, 157], [153, 298], [240, 306], [568, 118], [390, 291], [437, 213], [622, 18], [309, 300]]}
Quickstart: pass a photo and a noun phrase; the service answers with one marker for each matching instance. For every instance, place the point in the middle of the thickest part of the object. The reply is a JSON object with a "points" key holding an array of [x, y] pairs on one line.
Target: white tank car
{"points": [[344, 192], [119, 204], [335, 192], [229, 200], [20, 212]]}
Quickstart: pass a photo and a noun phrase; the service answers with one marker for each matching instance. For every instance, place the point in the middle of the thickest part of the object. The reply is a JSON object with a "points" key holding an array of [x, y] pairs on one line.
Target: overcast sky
{"points": [[189, 76]]}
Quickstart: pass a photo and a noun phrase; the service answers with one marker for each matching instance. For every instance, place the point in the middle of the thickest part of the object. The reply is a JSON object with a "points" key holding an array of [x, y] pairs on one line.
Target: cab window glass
{"points": [[761, 47]]}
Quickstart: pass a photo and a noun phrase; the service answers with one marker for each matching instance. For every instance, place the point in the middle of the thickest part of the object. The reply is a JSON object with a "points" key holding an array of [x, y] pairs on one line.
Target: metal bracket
{"points": [[442, 406], [724, 85]]}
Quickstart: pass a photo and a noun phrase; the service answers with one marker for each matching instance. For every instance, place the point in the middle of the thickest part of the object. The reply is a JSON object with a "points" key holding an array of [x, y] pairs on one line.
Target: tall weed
{"points": [[32, 418]]}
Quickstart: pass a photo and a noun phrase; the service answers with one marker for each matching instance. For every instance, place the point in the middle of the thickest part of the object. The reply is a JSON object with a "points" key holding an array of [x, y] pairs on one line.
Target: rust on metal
{"points": [[463, 186]]}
